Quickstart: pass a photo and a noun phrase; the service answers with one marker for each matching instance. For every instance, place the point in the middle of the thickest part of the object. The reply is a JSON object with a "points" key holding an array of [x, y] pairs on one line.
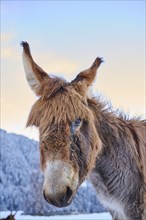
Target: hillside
{"points": [[21, 180]]}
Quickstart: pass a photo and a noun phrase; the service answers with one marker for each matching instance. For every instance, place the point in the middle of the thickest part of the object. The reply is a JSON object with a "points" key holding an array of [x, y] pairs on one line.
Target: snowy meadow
{"points": [[19, 216]]}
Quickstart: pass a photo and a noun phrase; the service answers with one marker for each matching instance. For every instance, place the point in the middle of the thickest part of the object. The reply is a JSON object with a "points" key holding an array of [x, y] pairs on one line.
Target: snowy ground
{"points": [[19, 216]]}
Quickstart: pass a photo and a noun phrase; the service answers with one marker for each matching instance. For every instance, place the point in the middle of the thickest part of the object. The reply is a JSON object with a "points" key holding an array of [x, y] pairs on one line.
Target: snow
{"points": [[94, 216], [22, 189]]}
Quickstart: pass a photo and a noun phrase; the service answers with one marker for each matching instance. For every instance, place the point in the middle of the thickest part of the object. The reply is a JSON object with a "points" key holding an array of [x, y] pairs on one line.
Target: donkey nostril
{"points": [[68, 194], [45, 196], [59, 199]]}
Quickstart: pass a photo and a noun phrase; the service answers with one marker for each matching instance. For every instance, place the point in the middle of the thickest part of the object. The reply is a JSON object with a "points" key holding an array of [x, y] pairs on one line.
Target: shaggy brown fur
{"points": [[91, 139]]}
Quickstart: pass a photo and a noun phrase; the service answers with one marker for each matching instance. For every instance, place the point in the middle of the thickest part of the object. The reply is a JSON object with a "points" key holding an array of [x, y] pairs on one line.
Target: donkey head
{"points": [[69, 143]]}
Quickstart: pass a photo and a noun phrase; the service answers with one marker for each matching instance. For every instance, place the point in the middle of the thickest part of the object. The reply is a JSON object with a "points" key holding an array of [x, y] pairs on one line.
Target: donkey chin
{"points": [[60, 184]]}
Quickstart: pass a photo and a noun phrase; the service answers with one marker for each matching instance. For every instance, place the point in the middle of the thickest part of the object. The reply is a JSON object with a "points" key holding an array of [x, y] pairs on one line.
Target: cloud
{"points": [[62, 67], [5, 37], [7, 53], [8, 47], [49, 61], [54, 63]]}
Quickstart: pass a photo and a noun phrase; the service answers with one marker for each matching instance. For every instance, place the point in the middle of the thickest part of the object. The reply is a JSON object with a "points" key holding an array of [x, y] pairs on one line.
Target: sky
{"points": [[65, 38]]}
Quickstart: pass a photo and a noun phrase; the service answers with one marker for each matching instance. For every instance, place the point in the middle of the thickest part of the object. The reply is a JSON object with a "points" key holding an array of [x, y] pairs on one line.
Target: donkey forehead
{"points": [[67, 105], [64, 106]]}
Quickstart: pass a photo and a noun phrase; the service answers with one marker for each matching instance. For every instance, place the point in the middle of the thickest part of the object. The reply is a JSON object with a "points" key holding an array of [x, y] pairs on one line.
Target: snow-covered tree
{"points": [[21, 180]]}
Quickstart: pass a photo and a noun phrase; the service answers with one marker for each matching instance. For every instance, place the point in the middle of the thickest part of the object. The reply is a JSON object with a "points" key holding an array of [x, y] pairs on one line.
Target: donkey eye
{"points": [[77, 122], [75, 125]]}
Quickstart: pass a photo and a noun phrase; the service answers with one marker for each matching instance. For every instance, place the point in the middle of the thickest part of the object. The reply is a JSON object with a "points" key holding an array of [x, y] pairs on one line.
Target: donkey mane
{"points": [[118, 122]]}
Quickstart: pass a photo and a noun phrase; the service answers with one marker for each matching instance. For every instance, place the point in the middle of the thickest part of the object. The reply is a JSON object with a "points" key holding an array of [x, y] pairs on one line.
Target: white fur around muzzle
{"points": [[58, 175]]}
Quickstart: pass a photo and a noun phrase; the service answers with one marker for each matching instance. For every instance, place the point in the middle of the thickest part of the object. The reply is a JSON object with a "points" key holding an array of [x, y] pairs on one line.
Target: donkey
{"points": [[80, 137]]}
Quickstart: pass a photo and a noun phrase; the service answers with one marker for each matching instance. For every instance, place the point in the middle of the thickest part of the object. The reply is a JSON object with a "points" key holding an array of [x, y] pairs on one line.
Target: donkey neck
{"points": [[121, 137]]}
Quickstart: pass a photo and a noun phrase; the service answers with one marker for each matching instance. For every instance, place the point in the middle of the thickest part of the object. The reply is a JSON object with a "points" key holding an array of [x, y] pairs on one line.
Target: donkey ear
{"points": [[85, 78], [35, 75]]}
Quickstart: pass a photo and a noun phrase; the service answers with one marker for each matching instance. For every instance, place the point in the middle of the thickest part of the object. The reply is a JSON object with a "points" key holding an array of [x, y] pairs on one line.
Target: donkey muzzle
{"points": [[62, 199], [60, 183]]}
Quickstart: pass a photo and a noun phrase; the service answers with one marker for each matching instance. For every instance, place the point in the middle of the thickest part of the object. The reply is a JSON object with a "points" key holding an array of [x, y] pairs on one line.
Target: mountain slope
{"points": [[21, 180]]}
